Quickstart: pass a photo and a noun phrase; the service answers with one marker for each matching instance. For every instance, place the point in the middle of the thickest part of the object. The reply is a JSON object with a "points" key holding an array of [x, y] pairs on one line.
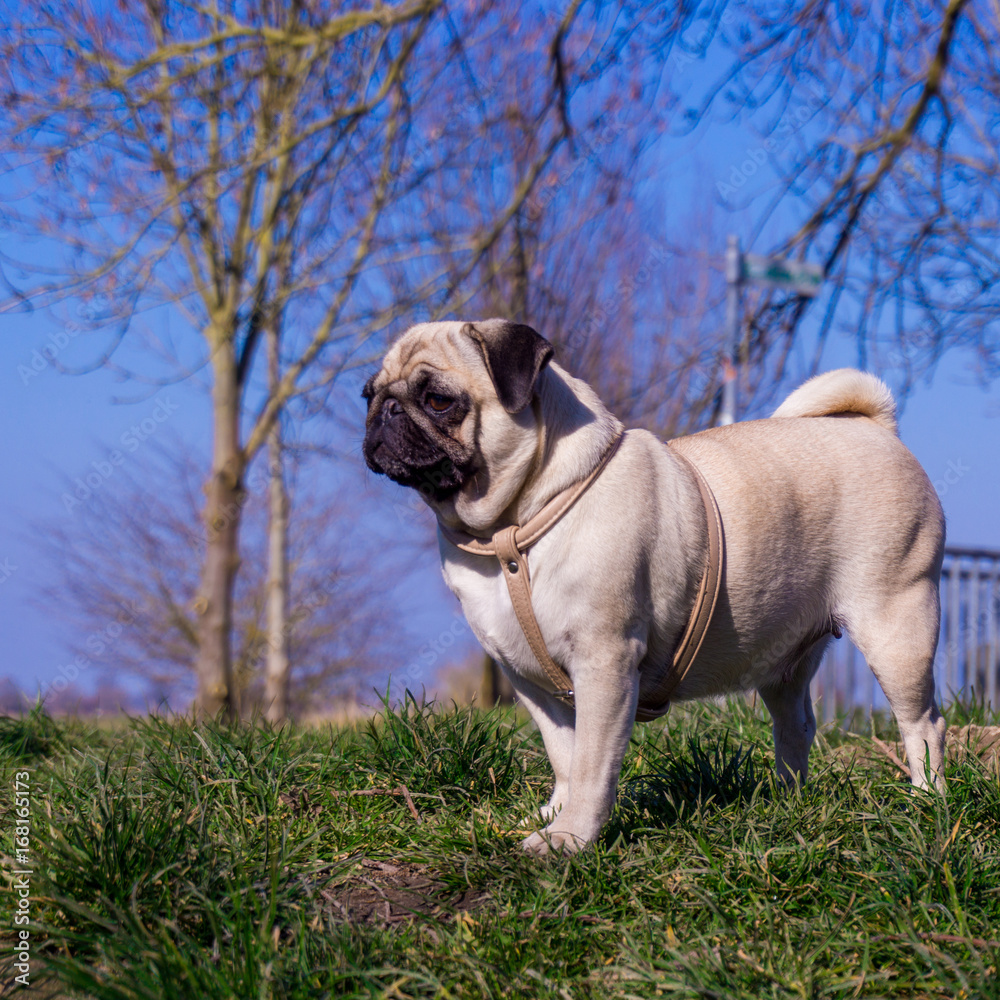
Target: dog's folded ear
{"points": [[515, 355]]}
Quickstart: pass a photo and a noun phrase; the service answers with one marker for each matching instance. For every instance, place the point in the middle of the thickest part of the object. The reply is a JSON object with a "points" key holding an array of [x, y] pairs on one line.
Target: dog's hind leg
{"points": [[793, 722], [898, 639]]}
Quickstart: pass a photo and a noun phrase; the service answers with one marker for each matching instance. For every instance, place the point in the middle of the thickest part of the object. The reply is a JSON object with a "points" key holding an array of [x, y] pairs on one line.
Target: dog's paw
{"points": [[546, 814], [562, 836], [552, 842]]}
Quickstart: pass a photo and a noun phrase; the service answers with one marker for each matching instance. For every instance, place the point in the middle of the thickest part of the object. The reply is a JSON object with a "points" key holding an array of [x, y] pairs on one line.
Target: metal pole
{"points": [[734, 278]]}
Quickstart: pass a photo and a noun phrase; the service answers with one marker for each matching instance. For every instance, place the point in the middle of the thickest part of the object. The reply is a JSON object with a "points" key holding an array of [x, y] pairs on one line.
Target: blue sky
{"points": [[61, 428], [66, 434]]}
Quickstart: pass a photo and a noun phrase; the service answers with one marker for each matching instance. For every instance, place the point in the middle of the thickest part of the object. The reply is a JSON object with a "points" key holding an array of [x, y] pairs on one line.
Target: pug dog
{"points": [[830, 524]]}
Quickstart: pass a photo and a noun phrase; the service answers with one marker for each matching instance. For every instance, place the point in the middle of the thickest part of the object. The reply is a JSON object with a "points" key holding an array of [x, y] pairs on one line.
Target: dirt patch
{"points": [[982, 741], [41, 987], [391, 892], [960, 742]]}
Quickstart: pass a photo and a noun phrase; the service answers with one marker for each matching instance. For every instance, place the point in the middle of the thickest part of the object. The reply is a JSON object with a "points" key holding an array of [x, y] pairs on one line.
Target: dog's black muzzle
{"points": [[395, 446]]}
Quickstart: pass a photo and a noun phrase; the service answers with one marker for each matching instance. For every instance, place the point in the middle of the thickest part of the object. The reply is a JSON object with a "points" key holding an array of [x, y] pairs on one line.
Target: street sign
{"points": [[806, 279], [741, 268]]}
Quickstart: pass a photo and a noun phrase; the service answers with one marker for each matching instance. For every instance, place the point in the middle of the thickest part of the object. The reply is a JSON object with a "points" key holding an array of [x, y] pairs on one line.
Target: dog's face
{"points": [[448, 412]]}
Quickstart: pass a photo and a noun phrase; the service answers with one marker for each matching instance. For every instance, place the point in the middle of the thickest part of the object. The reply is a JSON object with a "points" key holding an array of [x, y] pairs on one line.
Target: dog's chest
{"points": [[480, 587]]}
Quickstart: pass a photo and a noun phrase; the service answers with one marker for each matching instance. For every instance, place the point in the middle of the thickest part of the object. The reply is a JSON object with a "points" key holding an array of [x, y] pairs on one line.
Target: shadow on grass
{"points": [[706, 776]]}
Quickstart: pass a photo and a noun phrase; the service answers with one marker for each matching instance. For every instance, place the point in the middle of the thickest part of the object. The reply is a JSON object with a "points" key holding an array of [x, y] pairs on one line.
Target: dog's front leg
{"points": [[554, 719], [605, 713]]}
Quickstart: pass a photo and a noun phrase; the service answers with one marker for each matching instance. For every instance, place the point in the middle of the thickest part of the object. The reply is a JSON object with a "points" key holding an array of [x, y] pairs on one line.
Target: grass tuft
{"points": [[462, 755], [176, 860], [26, 738]]}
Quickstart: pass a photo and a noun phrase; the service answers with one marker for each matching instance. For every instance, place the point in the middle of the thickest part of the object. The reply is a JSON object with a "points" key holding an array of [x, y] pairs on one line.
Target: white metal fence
{"points": [[967, 665]]}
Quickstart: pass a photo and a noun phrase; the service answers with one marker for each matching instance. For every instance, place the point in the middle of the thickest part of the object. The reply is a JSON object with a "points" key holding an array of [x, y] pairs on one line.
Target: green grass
{"points": [[185, 861]]}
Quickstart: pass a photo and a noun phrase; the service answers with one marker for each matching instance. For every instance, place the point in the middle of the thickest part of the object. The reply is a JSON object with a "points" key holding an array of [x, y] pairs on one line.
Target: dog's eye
{"points": [[437, 402]]}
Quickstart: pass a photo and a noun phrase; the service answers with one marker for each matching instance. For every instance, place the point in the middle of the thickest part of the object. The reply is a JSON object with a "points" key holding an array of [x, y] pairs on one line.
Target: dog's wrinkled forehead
{"points": [[443, 348]]}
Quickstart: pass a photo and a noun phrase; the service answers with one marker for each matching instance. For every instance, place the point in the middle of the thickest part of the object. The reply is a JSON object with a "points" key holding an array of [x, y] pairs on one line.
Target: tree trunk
{"points": [[495, 688], [278, 666], [223, 508]]}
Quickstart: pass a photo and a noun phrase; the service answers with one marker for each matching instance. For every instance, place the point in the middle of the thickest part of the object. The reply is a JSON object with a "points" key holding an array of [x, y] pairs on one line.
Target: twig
{"points": [[939, 938], [402, 790], [887, 750], [584, 918], [409, 802], [891, 754]]}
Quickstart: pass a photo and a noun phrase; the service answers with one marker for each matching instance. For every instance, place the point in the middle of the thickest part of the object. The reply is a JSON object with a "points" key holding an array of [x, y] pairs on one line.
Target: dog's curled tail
{"points": [[845, 390]]}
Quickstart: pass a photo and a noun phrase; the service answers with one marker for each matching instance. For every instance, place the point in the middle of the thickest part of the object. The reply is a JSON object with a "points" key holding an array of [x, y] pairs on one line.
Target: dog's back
{"points": [[842, 529]]}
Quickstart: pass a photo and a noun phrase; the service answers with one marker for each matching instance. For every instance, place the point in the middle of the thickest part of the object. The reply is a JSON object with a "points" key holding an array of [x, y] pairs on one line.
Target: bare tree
{"points": [[882, 125], [625, 310], [278, 666], [278, 659], [239, 161], [128, 560], [636, 315]]}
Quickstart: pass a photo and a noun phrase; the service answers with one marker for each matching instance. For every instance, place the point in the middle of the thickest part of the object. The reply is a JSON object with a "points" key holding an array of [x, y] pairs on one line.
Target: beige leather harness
{"points": [[509, 545]]}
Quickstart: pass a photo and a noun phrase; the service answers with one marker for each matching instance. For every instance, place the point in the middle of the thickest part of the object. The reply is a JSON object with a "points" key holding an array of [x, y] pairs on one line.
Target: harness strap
{"points": [[509, 545], [552, 512], [658, 701], [515, 571]]}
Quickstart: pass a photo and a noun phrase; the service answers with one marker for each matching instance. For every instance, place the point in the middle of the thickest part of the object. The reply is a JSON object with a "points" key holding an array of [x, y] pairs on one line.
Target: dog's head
{"points": [[449, 409]]}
